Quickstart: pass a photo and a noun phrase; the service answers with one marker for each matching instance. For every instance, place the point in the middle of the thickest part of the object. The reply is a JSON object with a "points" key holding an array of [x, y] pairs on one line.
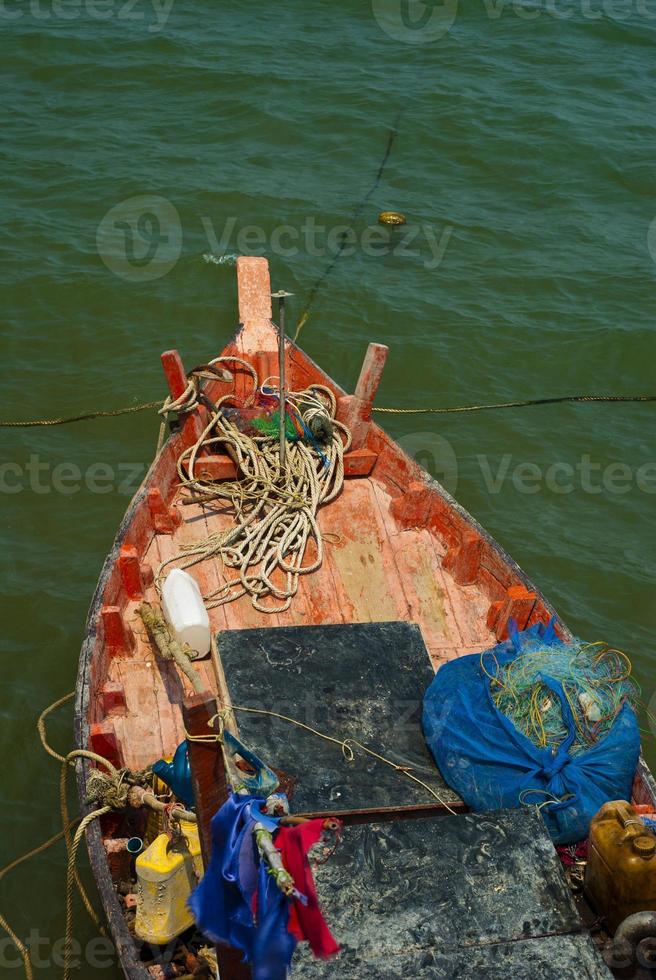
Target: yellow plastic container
{"points": [[154, 820], [166, 875], [620, 877]]}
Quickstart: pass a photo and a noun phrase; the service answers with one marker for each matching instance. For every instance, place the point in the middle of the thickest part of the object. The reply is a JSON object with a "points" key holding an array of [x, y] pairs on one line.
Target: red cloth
{"points": [[569, 854], [305, 921]]}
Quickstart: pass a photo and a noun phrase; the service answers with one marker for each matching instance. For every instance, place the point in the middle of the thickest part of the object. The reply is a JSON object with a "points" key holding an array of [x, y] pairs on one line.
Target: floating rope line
{"points": [[274, 509], [72, 844], [34, 852], [169, 406], [518, 404], [84, 417], [391, 138]]}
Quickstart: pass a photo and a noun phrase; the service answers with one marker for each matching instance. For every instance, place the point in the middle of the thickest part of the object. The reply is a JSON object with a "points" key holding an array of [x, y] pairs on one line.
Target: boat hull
{"points": [[408, 551]]}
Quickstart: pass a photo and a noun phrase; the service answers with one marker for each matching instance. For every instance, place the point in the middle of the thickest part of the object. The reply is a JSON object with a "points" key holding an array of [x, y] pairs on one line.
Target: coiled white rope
{"points": [[275, 509]]}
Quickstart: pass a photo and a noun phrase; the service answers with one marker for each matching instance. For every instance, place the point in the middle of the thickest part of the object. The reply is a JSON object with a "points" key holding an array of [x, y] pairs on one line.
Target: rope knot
{"points": [[105, 789]]}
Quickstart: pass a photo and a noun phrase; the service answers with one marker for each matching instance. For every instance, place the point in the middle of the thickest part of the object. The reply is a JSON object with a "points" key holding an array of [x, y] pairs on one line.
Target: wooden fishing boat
{"points": [[399, 549]]}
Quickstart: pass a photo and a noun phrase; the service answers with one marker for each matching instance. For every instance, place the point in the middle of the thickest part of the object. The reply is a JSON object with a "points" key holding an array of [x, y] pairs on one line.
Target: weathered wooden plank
{"points": [[142, 730], [211, 790], [361, 557], [420, 573], [217, 466]]}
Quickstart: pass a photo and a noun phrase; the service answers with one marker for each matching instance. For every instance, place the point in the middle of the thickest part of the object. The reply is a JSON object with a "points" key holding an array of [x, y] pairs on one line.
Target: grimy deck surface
{"points": [[445, 898], [361, 681], [372, 572]]}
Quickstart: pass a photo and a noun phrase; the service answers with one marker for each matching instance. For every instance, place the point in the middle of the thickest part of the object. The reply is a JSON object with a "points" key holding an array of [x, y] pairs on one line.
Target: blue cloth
{"points": [[177, 774], [260, 816], [492, 765], [223, 902]]}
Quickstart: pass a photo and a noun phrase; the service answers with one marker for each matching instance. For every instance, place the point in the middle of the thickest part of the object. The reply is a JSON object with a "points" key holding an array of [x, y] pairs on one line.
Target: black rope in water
{"points": [[518, 404], [390, 411], [391, 137], [84, 417]]}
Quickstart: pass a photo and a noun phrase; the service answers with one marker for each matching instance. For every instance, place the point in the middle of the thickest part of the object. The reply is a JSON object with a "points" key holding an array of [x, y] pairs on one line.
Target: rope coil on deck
{"points": [[274, 508]]}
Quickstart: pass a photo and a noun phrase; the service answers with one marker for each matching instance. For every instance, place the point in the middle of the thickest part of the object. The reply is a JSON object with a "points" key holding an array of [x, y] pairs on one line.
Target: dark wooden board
{"points": [[477, 895], [363, 681], [550, 958]]}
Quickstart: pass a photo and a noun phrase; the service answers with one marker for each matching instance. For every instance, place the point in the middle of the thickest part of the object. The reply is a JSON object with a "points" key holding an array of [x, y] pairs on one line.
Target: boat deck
{"points": [[373, 571], [478, 895]]}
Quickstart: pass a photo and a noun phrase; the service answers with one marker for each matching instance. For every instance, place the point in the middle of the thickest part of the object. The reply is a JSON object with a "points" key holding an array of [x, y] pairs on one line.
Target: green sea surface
{"points": [[145, 145]]}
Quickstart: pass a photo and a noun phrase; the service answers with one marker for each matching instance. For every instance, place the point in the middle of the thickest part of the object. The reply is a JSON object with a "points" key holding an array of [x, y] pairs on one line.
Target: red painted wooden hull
{"points": [[401, 548]]}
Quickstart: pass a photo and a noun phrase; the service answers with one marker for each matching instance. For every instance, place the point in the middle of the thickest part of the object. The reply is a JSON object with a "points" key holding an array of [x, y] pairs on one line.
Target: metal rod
{"points": [[281, 372], [281, 296]]}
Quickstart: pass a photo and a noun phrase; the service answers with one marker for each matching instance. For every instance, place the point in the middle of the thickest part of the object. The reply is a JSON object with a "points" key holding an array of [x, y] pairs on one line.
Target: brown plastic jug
{"points": [[620, 877]]}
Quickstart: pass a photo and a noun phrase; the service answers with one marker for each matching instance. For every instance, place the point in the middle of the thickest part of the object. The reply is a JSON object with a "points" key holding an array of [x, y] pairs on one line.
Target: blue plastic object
{"points": [[492, 765], [177, 774], [262, 782]]}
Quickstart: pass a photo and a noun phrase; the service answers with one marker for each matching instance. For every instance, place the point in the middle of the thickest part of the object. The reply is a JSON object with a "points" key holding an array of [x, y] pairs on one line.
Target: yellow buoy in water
{"points": [[391, 218]]}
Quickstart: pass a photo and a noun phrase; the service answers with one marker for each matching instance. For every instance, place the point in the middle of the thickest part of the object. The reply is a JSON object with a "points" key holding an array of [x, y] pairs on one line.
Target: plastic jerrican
{"points": [[185, 610], [620, 876], [166, 874]]}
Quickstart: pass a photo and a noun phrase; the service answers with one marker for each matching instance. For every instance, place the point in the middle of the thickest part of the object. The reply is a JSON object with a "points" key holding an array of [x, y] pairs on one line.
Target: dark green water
{"points": [[524, 164]]}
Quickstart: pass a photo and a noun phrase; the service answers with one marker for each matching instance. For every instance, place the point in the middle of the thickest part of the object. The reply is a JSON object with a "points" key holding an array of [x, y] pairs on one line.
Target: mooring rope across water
{"points": [[82, 417], [443, 410], [558, 399]]}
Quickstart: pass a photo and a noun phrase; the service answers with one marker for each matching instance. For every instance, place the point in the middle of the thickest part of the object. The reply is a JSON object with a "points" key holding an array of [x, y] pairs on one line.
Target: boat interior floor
{"points": [[360, 684], [373, 571]]}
